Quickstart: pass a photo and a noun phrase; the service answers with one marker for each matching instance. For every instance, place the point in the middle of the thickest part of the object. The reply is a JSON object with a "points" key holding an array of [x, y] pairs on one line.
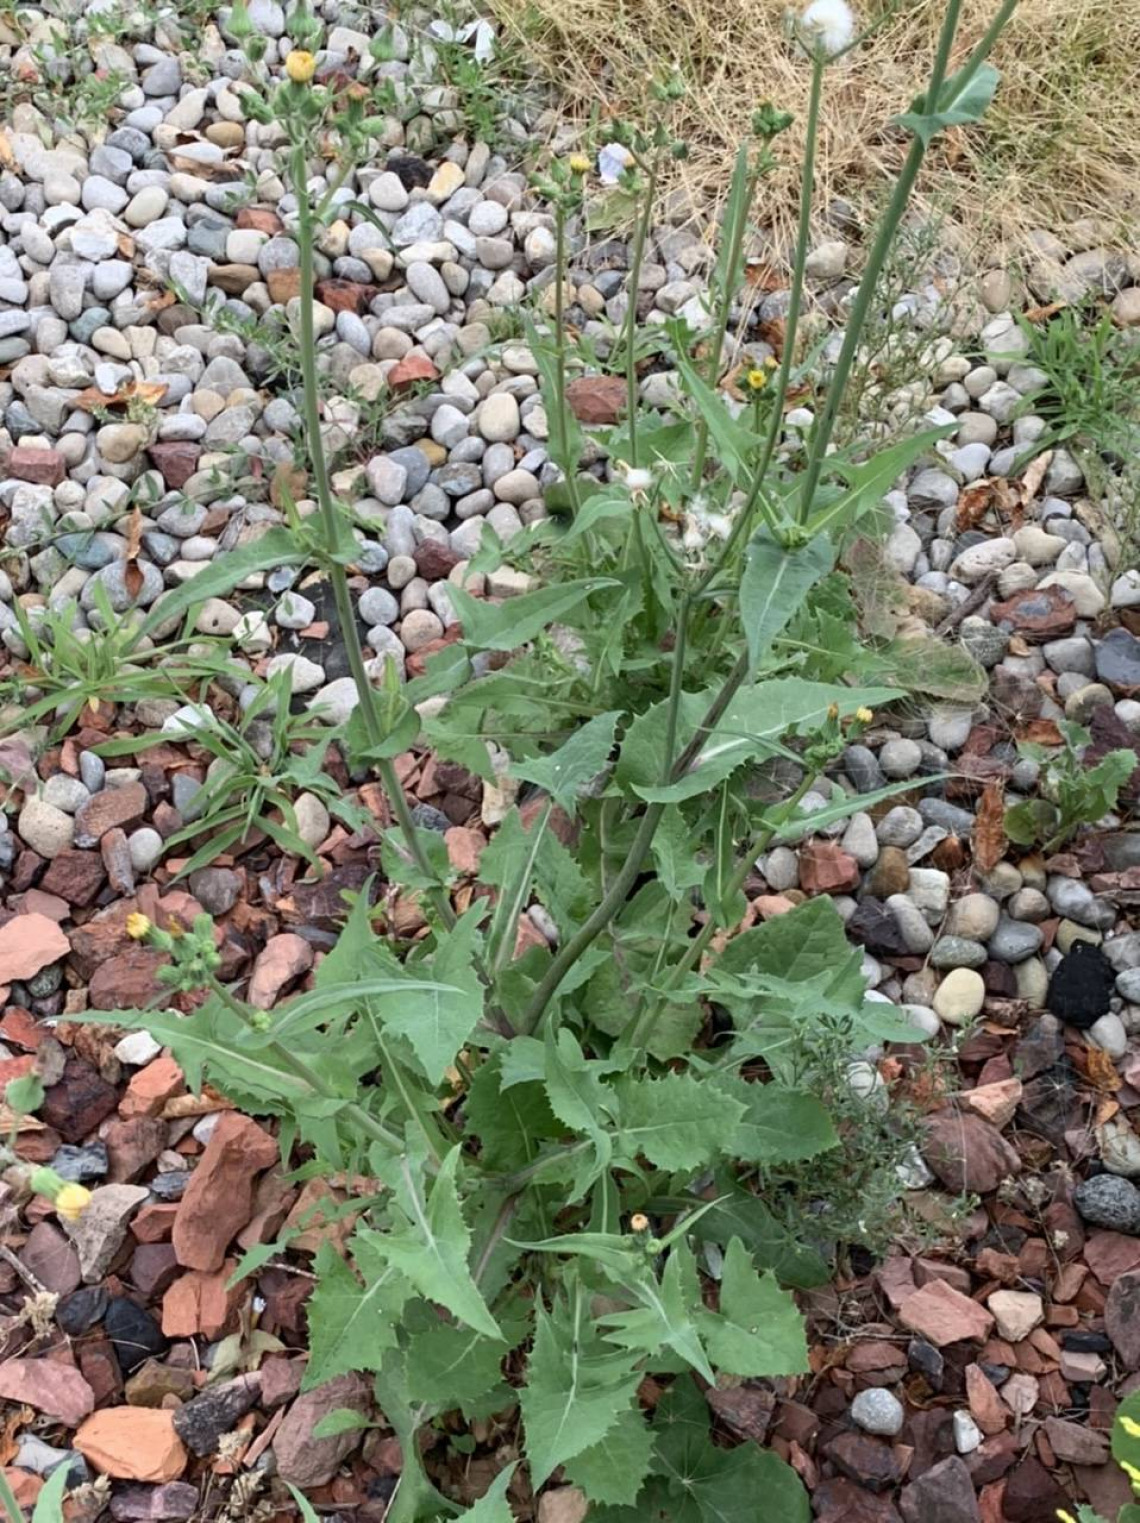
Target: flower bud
{"points": [[300, 65]]}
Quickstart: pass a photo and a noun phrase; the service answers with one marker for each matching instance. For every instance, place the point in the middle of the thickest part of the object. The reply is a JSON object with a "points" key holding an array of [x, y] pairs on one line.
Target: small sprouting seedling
{"points": [[1072, 794]]}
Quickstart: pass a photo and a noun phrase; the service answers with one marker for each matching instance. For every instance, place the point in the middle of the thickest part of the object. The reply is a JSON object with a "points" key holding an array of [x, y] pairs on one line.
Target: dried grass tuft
{"points": [[1061, 143]]}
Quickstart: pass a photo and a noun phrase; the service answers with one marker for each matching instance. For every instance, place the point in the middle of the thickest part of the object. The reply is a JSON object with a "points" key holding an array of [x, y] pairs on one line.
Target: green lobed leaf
{"points": [[511, 1124], [759, 1329], [775, 583], [751, 728], [507, 625], [613, 1470], [431, 1250], [566, 772], [677, 1121], [665, 1314], [352, 1325], [450, 1367], [737, 1212], [777, 1125], [576, 1387], [341, 1420], [437, 1024]]}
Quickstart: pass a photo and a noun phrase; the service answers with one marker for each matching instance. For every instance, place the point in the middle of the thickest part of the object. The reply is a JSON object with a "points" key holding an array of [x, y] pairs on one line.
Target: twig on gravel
{"points": [[979, 595]]}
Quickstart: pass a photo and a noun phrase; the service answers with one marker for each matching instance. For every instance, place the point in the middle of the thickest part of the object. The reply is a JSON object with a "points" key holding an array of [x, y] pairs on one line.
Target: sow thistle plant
{"points": [[598, 1160]]}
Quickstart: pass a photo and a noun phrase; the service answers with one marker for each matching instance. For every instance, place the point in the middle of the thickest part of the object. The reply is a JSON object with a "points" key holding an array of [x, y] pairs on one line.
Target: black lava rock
{"points": [[413, 173], [201, 1422], [1081, 986], [81, 1310], [133, 1332]]}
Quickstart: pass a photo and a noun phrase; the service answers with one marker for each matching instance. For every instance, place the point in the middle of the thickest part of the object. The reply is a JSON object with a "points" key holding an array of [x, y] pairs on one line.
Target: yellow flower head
{"points": [[864, 716], [72, 1201], [757, 379], [300, 65], [579, 163], [138, 926]]}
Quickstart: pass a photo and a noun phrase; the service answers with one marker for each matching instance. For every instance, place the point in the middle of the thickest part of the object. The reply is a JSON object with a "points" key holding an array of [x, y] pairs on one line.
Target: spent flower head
{"points": [[827, 25]]}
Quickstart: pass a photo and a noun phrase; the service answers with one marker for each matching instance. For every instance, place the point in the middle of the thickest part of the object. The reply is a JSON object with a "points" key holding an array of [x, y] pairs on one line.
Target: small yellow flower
{"points": [[579, 163], [72, 1201], [864, 716], [757, 379], [138, 926], [300, 65]]}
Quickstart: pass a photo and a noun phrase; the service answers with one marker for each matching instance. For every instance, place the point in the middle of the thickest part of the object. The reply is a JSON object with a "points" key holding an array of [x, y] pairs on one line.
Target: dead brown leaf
{"points": [[1041, 732], [764, 277], [149, 392], [980, 496], [133, 578], [1102, 1074], [1034, 476], [989, 828], [1043, 314]]}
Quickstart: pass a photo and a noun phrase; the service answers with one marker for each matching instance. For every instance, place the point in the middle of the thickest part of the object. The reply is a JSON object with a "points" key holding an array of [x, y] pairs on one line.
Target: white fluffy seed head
{"points": [[828, 24]]}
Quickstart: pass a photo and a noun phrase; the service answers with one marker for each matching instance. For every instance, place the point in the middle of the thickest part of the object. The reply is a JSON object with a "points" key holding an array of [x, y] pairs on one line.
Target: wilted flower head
{"points": [[829, 25], [638, 480]]}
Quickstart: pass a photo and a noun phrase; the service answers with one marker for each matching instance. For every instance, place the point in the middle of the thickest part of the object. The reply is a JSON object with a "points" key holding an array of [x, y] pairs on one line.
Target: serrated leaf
{"points": [[664, 1316], [613, 1470], [774, 585], [437, 1024], [566, 772], [507, 625], [511, 1124], [674, 854], [677, 1121], [750, 729], [451, 1367], [431, 1250], [777, 1125], [759, 1329], [352, 1325], [576, 1388]]}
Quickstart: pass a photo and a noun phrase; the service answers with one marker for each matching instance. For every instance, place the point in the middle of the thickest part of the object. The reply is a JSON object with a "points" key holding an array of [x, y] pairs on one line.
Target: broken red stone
{"points": [[42, 467], [412, 368], [597, 399], [176, 459], [825, 868], [219, 1198], [344, 295]]}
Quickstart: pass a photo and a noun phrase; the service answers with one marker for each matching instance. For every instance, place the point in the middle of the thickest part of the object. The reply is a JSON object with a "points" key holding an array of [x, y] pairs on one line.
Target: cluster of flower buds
{"points": [[194, 957]]}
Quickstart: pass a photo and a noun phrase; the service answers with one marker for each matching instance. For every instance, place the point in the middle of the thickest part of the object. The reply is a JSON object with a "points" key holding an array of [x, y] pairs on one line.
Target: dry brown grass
{"points": [[1061, 142]]}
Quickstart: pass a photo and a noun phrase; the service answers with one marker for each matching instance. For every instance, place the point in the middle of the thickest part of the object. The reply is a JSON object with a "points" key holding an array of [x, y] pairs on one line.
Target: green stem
{"points": [[644, 1019], [569, 466], [724, 305], [876, 259], [796, 295], [619, 889], [338, 577], [631, 314], [361, 1119]]}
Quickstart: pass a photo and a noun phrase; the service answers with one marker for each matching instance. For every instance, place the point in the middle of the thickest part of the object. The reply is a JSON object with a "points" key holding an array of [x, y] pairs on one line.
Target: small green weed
{"points": [[1091, 398], [261, 764], [1072, 793]]}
